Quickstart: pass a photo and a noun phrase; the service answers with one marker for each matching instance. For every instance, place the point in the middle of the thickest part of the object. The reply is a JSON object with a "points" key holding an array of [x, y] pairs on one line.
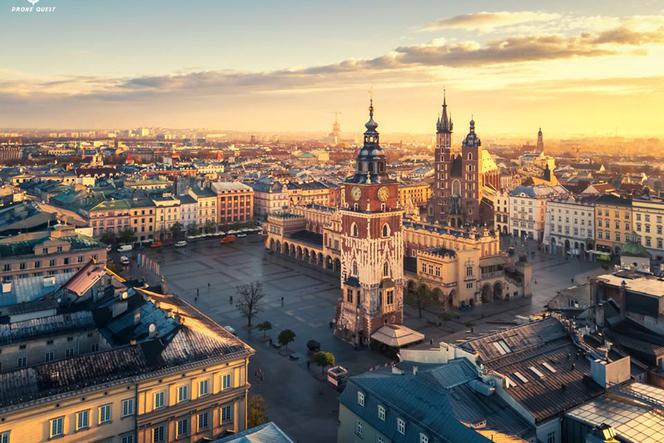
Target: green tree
{"points": [[210, 226], [285, 337], [264, 326], [192, 229], [127, 236], [323, 359], [109, 238], [421, 297], [257, 413], [250, 297], [176, 231]]}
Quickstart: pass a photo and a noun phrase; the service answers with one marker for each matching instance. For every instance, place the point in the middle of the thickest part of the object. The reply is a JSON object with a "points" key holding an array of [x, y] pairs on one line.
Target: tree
{"points": [[127, 236], [192, 229], [176, 231], [264, 326], [257, 413], [421, 297], [210, 226], [108, 237], [285, 337], [250, 297], [323, 359]]}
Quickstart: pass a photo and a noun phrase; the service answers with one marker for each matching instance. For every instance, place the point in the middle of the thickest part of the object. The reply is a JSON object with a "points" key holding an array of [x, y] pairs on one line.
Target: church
{"points": [[466, 179]]}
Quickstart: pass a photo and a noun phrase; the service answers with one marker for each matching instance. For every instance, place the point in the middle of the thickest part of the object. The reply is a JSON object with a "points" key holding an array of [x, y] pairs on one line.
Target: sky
{"points": [[590, 67]]}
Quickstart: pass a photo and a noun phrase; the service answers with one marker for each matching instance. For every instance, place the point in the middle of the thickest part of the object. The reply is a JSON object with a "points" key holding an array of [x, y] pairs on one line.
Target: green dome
{"points": [[633, 249]]}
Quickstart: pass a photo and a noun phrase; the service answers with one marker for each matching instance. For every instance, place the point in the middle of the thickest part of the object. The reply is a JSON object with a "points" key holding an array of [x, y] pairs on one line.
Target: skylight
{"points": [[549, 367], [521, 377], [536, 371]]}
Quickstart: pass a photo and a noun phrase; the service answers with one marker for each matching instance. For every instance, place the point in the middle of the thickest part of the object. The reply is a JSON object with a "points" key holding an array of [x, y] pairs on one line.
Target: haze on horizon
{"points": [[572, 68]]}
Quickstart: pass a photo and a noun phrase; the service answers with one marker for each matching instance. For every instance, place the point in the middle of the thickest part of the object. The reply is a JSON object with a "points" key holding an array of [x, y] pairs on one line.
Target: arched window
{"points": [[470, 156], [386, 269], [354, 231], [354, 269], [386, 230]]}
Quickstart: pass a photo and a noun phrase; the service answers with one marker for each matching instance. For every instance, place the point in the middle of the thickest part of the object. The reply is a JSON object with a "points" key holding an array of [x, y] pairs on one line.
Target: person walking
{"points": [[230, 299], [282, 301]]}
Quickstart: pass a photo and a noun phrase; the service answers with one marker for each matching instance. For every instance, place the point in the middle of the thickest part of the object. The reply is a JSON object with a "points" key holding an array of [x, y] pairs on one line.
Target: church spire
{"points": [[444, 124], [540, 141]]}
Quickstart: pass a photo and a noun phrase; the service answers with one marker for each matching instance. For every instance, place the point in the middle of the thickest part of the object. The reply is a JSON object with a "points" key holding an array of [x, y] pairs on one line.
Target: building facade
{"points": [[648, 215], [613, 223], [235, 203], [570, 226], [528, 209]]}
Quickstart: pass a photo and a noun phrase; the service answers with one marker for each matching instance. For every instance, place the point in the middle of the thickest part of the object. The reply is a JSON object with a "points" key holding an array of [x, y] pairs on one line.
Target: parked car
{"points": [[156, 244], [180, 244], [124, 260], [241, 235], [125, 248], [228, 239]]}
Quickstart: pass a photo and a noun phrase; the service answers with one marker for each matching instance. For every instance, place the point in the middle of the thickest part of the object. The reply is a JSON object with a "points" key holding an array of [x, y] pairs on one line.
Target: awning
{"points": [[396, 336]]}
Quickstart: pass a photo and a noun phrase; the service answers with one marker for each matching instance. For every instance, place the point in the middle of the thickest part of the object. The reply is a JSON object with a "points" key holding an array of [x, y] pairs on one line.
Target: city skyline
{"points": [[594, 71]]}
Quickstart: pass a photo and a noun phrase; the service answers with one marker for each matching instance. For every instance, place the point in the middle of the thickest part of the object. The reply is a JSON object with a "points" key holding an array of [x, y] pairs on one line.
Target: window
{"points": [[381, 412], [127, 407], [127, 438], [4, 437], [386, 230], [183, 393], [358, 428], [386, 270], [360, 398], [49, 356], [469, 271], [226, 381], [104, 414], [182, 428], [226, 413], [56, 426], [401, 426], [424, 438], [69, 352], [390, 297], [354, 231], [551, 437], [203, 421], [22, 362], [354, 269], [82, 420], [158, 434], [203, 388], [349, 295]]}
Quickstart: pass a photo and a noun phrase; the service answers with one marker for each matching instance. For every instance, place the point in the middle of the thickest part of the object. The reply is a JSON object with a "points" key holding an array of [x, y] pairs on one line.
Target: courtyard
{"points": [[303, 299]]}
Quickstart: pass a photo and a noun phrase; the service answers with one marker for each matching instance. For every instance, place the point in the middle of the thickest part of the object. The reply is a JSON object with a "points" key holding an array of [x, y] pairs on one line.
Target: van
{"points": [[125, 248]]}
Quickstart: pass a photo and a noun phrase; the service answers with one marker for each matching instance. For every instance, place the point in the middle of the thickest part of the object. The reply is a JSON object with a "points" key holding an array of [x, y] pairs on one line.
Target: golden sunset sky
{"points": [[573, 68]]}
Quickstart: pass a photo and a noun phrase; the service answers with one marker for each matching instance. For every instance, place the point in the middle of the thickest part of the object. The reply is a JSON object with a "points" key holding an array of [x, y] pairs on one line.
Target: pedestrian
{"points": [[196, 299], [431, 341], [308, 364], [230, 299], [282, 301], [270, 341]]}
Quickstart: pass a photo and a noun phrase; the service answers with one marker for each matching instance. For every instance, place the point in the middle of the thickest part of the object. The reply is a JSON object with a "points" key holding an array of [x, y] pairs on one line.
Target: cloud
{"points": [[483, 21], [404, 66]]}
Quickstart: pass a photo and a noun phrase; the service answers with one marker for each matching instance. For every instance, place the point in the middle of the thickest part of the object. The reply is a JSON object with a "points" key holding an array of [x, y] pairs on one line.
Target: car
{"points": [[228, 239], [124, 260], [156, 244], [180, 244], [337, 377], [125, 248], [242, 235], [230, 329]]}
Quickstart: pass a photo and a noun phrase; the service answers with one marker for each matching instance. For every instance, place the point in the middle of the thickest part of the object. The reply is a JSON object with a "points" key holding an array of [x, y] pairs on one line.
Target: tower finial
{"points": [[371, 109]]}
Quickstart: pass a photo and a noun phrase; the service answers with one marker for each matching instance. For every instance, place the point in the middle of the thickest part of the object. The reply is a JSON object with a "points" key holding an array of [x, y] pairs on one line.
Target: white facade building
{"points": [[527, 205], [502, 212], [188, 211], [569, 227]]}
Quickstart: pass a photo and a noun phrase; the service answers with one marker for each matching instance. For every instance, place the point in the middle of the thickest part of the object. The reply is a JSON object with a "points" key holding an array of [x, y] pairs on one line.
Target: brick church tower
{"points": [[466, 179], [371, 246]]}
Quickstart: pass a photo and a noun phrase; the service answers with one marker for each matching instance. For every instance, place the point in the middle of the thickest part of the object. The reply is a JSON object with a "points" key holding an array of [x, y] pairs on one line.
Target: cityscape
{"points": [[332, 222]]}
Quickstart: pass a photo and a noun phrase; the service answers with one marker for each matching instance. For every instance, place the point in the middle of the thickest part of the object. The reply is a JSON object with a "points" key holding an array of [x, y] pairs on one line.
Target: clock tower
{"points": [[371, 246]]}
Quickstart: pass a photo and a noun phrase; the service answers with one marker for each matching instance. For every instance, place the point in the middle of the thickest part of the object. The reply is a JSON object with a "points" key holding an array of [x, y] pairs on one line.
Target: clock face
{"points": [[356, 193], [383, 194]]}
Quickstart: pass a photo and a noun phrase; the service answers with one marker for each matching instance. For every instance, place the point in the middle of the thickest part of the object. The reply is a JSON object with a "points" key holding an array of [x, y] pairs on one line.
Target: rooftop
{"points": [[635, 282]]}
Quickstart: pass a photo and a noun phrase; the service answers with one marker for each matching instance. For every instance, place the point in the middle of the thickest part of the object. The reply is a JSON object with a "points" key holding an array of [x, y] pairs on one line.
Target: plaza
{"points": [[207, 274]]}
